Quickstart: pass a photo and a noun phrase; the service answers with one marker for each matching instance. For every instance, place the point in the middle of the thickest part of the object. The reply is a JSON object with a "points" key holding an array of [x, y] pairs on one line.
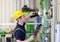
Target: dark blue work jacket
{"points": [[20, 32]]}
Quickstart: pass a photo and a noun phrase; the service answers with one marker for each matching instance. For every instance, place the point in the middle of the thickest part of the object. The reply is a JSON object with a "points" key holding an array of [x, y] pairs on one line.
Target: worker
{"points": [[19, 31]]}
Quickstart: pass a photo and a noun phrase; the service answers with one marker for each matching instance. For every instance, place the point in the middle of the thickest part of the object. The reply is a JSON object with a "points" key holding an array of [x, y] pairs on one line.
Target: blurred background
{"points": [[49, 18]]}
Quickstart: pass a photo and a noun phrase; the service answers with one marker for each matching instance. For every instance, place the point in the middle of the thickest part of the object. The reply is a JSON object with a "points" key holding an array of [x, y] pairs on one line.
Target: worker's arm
{"points": [[27, 17], [28, 40]]}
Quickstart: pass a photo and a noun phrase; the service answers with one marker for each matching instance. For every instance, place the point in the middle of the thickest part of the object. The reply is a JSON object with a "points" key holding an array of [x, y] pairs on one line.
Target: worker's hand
{"points": [[31, 14], [31, 38]]}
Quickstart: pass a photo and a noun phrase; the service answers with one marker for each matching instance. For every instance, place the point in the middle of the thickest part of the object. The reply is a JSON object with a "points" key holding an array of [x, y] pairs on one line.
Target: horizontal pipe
{"points": [[8, 24]]}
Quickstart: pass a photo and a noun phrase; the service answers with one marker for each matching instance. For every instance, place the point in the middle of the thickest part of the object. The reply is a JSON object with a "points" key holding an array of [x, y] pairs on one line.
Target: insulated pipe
{"points": [[54, 21]]}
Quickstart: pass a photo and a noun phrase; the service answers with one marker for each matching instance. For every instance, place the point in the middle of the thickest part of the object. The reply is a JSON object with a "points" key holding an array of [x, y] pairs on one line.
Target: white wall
{"points": [[58, 10], [8, 7]]}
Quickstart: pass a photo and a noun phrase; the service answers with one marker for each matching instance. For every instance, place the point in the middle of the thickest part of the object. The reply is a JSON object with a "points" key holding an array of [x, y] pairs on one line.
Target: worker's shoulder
{"points": [[19, 30]]}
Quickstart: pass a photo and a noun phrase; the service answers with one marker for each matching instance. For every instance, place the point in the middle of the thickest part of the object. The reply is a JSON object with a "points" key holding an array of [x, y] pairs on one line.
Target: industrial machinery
{"points": [[44, 33], [39, 25]]}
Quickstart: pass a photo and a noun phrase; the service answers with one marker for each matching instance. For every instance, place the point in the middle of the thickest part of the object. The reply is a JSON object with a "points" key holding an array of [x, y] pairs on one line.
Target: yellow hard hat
{"points": [[18, 14]]}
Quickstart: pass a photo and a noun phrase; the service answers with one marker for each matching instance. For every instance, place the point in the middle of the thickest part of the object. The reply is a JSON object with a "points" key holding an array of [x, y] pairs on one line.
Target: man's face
{"points": [[23, 18]]}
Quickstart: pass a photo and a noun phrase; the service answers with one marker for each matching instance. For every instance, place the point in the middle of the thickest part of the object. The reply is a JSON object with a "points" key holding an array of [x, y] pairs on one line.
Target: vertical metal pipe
{"points": [[9, 10], [16, 4], [5, 11], [1, 11], [20, 5], [31, 3], [54, 20], [23, 1]]}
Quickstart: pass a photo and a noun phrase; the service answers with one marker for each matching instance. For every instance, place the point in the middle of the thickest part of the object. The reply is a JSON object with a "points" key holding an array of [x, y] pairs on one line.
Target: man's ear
{"points": [[17, 20]]}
